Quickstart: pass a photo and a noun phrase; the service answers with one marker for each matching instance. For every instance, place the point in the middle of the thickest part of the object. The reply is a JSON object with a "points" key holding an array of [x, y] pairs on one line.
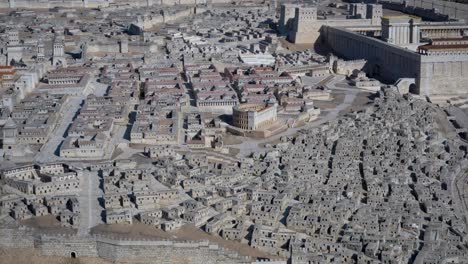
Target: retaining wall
{"points": [[117, 249]]}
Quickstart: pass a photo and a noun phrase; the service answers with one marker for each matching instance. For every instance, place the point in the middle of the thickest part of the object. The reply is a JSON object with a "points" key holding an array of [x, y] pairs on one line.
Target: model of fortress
{"points": [[303, 26], [366, 11], [303, 17], [253, 117], [287, 13]]}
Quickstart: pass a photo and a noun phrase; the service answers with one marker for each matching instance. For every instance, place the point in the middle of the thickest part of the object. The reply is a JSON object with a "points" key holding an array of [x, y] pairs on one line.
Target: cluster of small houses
{"points": [[162, 115], [374, 186], [370, 186], [179, 66], [40, 190], [221, 35], [32, 120]]}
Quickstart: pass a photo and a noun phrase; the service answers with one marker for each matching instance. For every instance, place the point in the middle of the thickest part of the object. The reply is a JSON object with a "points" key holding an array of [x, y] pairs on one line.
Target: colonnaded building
{"points": [[254, 116], [430, 57]]}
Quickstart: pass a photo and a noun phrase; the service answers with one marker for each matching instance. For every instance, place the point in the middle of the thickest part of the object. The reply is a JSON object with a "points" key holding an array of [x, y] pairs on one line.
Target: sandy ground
{"points": [[388, 12], [338, 97], [230, 139], [361, 102], [233, 151], [294, 47], [47, 224], [116, 153]]}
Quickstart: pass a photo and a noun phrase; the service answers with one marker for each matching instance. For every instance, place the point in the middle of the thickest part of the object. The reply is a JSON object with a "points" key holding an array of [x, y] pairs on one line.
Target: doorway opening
{"points": [[413, 89]]}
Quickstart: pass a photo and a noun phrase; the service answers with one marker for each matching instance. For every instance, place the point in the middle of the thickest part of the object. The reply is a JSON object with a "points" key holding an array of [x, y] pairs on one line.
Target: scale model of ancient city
{"points": [[233, 131]]}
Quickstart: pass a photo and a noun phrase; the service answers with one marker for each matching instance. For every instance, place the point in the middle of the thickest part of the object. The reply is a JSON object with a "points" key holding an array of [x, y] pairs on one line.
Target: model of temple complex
{"points": [[162, 131]]}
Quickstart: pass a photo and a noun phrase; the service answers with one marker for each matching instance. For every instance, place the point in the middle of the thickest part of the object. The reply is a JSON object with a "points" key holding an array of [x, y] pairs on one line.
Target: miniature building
{"points": [[58, 57], [400, 30], [303, 17], [253, 117], [287, 13], [39, 181], [375, 185]]}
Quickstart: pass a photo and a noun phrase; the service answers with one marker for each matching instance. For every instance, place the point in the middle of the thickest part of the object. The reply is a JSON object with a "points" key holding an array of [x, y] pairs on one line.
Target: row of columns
{"points": [[209, 103], [442, 33]]}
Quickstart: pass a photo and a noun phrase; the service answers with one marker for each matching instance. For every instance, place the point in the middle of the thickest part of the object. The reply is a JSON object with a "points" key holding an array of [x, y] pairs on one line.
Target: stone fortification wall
{"points": [[16, 238], [389, 62], [43, 4], [116, 249], [142, 3], [443, 74], [65, 246], [313, 32], [54, 3], [166, 252]]}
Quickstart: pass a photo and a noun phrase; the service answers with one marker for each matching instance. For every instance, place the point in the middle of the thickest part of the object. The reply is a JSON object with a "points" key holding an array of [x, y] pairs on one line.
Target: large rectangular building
{"points": [[436, 74]]}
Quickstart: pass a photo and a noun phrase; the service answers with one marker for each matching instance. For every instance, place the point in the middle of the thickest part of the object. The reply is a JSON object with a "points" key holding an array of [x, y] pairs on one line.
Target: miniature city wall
{"points": [[44, 4], [117, 249], [51, 3]]}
